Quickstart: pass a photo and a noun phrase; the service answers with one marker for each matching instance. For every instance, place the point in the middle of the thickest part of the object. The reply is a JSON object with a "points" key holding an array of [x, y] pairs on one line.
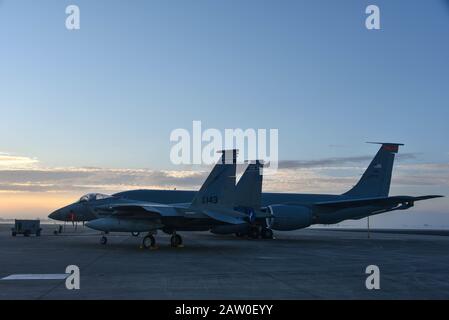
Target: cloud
{"points": [[92, 179], [28, 175], [8, 161], [306, 181], [441, 166], [335, 162], [424, 174], [322, 163]]}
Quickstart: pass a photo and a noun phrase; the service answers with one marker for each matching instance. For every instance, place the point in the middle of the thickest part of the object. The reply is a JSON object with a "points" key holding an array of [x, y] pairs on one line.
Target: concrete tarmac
{"points": [[304, 264]]}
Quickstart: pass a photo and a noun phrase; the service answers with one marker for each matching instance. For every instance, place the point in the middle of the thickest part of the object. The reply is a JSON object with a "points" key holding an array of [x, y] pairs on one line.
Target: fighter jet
{"points": [[291, 211], [212, 206]]}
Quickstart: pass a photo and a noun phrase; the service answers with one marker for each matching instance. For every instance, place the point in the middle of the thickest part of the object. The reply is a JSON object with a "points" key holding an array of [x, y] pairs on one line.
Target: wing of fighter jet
{"points": [[229, 217], [158, 211], [137, 209]]}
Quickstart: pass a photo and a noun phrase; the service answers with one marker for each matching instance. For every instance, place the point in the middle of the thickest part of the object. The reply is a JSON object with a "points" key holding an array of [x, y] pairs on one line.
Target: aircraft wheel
{"points": [[103, 240], [175, 240], [148, 242], [267, 233], [135, 234], [254, 233]]}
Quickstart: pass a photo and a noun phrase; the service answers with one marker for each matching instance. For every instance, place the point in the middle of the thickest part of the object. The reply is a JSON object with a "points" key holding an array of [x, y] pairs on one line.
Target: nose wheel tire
{"points": [[148, 242], [267, 233], [103, 240], [176, 240]]}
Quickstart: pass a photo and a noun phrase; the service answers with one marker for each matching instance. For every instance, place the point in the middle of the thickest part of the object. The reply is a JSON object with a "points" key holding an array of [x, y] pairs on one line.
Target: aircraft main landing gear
{"points": [[254, 233], [149, 242], [176, 240], [266, 233]]}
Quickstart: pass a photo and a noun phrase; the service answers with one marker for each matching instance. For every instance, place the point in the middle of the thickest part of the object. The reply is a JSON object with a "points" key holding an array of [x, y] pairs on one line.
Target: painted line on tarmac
{"points": [[57, 276]]}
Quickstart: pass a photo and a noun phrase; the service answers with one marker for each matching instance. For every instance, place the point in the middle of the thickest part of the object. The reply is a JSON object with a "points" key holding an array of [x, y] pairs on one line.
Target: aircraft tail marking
{"points": [[219, 187], [376, 180]]}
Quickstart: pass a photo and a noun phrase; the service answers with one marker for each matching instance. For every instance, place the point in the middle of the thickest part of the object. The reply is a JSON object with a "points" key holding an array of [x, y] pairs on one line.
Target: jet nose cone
{"points": [[55, 215]]}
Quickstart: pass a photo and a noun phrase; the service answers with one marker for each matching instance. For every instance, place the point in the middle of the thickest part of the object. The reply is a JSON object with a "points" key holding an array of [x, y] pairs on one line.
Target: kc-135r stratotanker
{"points": [[242, 208]]}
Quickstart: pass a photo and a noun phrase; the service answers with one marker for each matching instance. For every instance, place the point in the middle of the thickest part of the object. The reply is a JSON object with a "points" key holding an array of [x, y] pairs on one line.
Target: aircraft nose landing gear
{"points": [[103, 240]]}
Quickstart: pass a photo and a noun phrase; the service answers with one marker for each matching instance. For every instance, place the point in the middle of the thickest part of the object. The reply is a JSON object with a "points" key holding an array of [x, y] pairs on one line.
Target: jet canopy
{"points": [[94, 196]]}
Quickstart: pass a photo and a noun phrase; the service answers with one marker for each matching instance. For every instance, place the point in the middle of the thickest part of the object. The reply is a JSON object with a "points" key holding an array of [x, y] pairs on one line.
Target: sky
{"points": [[92, 110]]}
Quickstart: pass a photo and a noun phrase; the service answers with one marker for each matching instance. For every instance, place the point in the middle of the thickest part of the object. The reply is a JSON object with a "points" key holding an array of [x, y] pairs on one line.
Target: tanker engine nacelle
{"points": [[286, 218]]}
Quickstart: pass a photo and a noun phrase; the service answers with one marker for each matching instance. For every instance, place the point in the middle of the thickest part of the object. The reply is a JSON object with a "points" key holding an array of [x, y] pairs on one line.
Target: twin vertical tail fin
{"points": [[219, 188], [375, 182], [249, 187]]}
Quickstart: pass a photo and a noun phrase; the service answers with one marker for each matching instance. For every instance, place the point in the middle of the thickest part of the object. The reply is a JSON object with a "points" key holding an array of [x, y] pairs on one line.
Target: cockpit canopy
{"points": [[94, 196]]}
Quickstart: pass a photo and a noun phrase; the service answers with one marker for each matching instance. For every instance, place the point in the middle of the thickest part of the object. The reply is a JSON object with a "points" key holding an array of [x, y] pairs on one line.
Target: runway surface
{"points": [[304, 264]]}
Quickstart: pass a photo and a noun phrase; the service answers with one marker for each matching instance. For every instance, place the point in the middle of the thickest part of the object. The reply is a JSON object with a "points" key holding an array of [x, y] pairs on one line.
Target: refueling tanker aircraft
{"points": [[284, 211]]}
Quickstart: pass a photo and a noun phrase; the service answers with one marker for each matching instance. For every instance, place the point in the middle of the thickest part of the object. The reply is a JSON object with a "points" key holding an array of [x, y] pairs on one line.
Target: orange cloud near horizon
{"points": [[31, 204]]}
